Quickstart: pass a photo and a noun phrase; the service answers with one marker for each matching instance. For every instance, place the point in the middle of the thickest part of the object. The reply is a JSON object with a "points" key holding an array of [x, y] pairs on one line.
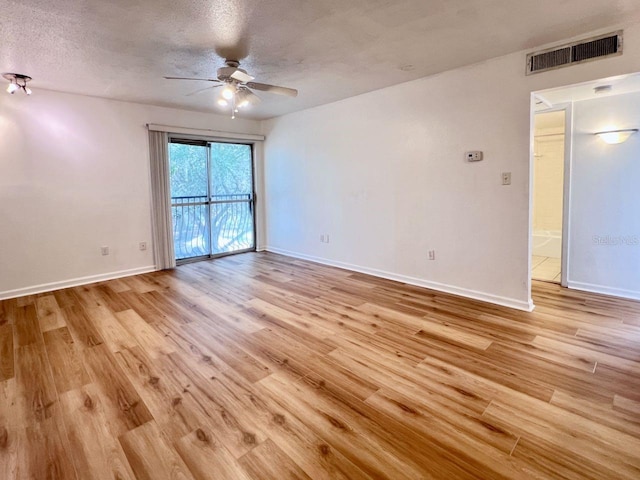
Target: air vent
{"points": [[578, 52]]}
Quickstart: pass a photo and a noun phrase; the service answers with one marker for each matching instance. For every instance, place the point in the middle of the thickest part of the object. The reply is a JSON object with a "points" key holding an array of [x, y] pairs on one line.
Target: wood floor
{"points": [[259, 366]]}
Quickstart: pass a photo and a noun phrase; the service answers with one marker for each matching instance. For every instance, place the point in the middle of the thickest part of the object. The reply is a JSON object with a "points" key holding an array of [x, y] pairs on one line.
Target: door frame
{"points": [[566, 190], [209, 140], [252, 203]]}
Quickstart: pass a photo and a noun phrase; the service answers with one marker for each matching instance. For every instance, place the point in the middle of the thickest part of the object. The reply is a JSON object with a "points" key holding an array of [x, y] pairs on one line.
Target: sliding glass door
{"points": [[212, 198], [231, 188]]}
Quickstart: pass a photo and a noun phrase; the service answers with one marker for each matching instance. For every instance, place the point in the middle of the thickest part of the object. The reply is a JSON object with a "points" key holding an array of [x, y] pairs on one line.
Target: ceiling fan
{"points": [[238, 85]]}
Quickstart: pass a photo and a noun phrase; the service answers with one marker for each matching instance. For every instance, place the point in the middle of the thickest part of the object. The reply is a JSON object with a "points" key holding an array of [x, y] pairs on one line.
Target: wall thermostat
{"points": [[474, 156]]}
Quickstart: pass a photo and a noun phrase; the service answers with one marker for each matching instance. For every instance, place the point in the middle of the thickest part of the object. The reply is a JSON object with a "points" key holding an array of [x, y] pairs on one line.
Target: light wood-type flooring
{"points": [[259, 366]]}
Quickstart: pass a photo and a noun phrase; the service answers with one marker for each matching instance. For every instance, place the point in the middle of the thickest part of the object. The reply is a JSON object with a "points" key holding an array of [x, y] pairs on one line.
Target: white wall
{"points": [[383, 174], [604, 249], [548, 180], [74, 175]]}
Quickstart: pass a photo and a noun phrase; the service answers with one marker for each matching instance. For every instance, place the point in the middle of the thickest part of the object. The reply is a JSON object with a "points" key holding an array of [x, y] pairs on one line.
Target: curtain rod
{"points": [[205, 132]]}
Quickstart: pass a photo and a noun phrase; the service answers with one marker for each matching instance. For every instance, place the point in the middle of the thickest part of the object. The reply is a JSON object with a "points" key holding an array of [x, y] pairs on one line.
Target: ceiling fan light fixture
{"points": [[242, 98], [237, 87], [228, 92], [12, 88]]}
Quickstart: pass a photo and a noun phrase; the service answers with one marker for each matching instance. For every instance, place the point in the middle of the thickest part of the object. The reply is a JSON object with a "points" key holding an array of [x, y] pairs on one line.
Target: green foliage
{"points": [[231, 169], [230, 223], [188, 170]]}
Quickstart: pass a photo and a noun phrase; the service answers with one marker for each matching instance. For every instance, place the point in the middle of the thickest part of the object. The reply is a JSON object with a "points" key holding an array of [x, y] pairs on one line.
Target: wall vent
{"points": [[583, 51]]}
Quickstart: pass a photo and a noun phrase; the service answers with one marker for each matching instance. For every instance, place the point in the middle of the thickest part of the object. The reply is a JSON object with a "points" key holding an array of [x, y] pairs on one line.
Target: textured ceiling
{"points": [[327, 49]]}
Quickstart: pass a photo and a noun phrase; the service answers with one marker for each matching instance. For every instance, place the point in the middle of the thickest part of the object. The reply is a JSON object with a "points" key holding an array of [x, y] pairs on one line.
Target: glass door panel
{"points": [[231, 190], [189, 178]]}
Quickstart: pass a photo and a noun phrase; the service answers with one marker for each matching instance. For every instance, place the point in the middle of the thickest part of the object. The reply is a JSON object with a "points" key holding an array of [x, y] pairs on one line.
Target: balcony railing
{"points": [[228, 218]]}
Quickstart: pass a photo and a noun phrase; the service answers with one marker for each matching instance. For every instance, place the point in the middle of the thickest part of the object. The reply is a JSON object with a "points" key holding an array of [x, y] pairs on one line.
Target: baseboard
{"points": [[74, 282], [441, 287], [615, 292]]}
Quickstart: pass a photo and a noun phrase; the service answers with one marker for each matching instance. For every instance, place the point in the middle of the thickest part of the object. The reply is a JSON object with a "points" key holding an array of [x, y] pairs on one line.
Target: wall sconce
{"points": [[616, 136]]}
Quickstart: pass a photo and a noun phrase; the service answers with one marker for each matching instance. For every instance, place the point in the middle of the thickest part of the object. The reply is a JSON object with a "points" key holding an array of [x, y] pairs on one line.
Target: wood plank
{"points": [[8, 311], [207, 459], [11, 426], [308, 450], [6, 352], [81, 327], [236, 432], [626, 405], [349, 432], [267, 461], [65, 298], [125, 408], [608, 414], [147, 337], [65, 359], [95, 452], [26, 328], [35, 386], [115, 336], [578, 436], [150, 457], [44, 451], [163, 391], [49, 313]]}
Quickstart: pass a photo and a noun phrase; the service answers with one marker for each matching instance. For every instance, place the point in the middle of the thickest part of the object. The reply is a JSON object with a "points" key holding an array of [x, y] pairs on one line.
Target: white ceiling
{"points": [[620, 85], [327, 49]]}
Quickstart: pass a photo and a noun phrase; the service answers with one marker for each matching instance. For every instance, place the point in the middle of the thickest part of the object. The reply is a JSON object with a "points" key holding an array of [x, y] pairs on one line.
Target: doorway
{"points": [[212, 198], [548, 195]]}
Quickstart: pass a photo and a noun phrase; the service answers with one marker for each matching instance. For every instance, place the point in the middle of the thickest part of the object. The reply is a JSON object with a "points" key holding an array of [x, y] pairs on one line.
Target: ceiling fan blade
{"points": [[241, 76], [263, 87], [202, 90], [191, 78]]}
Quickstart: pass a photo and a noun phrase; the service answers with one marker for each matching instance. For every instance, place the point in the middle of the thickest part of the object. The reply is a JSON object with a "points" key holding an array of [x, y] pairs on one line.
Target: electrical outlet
{"points": [[432, 254], [506, 178], [104, 250], [327, 238], [321, 238]]}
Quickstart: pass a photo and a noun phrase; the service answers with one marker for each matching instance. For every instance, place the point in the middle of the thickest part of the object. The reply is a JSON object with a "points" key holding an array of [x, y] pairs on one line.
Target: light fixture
{"points": [[228, 92], [17, 82], [236, 96], [242, 98], [599, 90], [616, 136]]}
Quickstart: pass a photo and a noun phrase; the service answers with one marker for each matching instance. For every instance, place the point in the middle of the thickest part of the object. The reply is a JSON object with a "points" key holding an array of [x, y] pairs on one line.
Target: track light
{"points": [[17, 82]]}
